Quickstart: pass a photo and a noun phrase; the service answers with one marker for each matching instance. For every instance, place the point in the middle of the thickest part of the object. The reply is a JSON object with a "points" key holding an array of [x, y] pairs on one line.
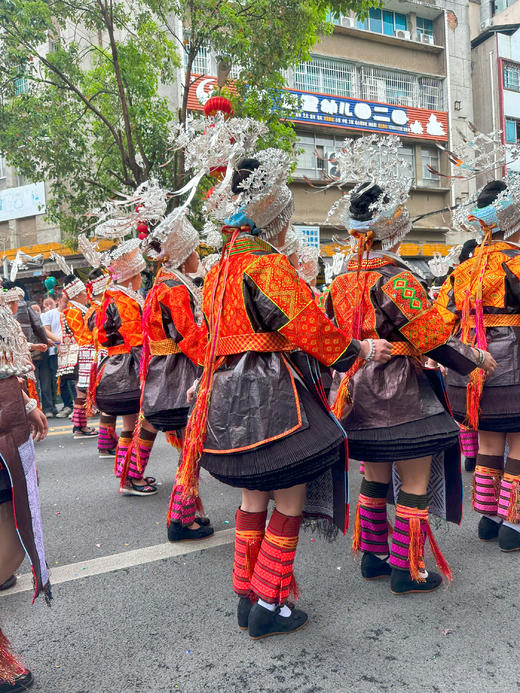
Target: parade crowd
{"points": [[270, 384]]}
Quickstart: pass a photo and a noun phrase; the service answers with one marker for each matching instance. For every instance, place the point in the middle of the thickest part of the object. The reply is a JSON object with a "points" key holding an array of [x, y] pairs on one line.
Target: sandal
{"points": [[86, 432], [138, 489], [150, 480]]}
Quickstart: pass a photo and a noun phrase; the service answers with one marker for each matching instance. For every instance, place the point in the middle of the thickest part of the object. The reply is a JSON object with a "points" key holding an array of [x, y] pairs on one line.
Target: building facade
{"points": [[405, 70], [495, 46]]}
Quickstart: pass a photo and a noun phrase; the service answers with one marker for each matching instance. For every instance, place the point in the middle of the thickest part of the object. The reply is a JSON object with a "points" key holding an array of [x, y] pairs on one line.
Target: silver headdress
{"points": [[119, 217], [126, 260], [214, 144], [439, 265], [91, 255], [74, 288], [502, 215], [61, 262], [367, 162], [309, 265], [177, 238], [265, 196], [14, 350], [210, 261], [10, 295], [293, 243]]}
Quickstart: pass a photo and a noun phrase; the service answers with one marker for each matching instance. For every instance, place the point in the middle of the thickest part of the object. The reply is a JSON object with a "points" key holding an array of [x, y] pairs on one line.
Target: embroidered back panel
{"points": [[130, 314], [343, 293]]}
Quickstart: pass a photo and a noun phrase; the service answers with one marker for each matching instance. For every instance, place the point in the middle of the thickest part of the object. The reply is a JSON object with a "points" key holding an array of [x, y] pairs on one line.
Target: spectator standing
{"points": [[49, 363]]}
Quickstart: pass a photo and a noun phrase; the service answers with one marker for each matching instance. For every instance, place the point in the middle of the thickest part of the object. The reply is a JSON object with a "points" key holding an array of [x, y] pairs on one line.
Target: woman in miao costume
{"points": [[172, 317], [394, 420], [480, 302], [255, 424]]}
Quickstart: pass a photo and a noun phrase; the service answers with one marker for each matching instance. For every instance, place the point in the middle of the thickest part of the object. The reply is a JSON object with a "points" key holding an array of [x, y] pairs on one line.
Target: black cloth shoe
{"points": [[21, 683], [263, 623], [373, 567], [401, 582], [179, 532], [243, 610], [10, 582], [488, 529], [508, 539], [469, 464]]}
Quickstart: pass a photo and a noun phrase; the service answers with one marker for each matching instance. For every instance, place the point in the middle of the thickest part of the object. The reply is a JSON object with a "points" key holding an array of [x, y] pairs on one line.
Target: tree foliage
{"points": [[86, 86]]}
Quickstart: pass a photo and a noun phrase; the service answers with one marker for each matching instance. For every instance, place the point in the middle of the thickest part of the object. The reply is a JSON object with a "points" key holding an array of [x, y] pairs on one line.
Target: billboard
{"points": [[343, 112], [23, 201]]}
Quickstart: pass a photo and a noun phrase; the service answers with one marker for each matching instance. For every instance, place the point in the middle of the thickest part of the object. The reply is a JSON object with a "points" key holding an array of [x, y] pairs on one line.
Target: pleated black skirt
{"points": [[295, 459], [405, 441]]}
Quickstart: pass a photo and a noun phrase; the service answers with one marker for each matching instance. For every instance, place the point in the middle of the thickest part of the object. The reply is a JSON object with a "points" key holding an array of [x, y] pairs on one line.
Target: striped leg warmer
{"points": [[486, 483], [411, 530], [181, 509], [79, 414], [371, 526], [468, 442], [140, 454], [273, 578], [249, 534], [124, 442], [107, 439], [509, 500]]}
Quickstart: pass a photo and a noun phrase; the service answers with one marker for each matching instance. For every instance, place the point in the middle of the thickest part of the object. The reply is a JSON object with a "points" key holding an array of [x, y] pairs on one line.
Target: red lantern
{"points": [[216, 104], [142, 230]]}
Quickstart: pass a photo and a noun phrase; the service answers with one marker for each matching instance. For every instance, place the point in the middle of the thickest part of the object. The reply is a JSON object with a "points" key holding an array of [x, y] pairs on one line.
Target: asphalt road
{"points": [[129, 618]]}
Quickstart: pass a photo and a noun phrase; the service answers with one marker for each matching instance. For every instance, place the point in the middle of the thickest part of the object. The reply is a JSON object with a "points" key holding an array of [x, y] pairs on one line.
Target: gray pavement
{"points": [[169, 625]]}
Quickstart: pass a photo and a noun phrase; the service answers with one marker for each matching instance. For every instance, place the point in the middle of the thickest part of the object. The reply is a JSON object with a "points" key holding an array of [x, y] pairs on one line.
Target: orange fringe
{"points": [[33, 393], [513, 509], [174, 438], [356, 537], [10, 668]]}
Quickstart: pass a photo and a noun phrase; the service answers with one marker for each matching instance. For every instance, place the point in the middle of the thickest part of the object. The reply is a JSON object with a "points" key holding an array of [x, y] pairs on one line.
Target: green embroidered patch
{"points": [[408, 293]]}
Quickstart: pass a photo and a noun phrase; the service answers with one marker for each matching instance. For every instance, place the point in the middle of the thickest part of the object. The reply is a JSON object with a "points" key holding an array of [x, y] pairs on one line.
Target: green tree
{"points": [[86, 86]]}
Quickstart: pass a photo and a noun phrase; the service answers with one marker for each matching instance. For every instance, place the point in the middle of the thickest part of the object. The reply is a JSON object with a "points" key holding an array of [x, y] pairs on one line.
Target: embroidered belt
{"points": [[500, 320], [118, 349], [163, 347], [404, 349], [259, 341]]}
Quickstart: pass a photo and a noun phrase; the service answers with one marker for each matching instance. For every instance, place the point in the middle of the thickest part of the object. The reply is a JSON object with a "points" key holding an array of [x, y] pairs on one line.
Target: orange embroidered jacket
{"points": [[500, 305], [76, 320], [172, 335], [267, 312], [396, 307], [118, 323]]}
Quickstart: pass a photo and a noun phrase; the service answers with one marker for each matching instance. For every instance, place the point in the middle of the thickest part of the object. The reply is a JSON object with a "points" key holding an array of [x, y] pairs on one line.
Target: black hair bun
{"points": [[69, 279], [243, 170], [490, 192], [467, 250], [360, 203], [8, 284], [95, 273]]}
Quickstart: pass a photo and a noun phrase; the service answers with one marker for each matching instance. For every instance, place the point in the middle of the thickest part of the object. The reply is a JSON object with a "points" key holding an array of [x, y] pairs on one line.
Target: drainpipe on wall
{"points": [[448, 96], [501, 107]]}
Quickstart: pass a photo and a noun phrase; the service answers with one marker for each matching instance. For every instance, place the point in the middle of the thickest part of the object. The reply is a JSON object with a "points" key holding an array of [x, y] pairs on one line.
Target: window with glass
{"points": [[325, 76], [430, 156], [512, 77], [424, 27], [201, 64], [383, 22], [3, 168], [21, 86], [317, 157], [512, 131]]}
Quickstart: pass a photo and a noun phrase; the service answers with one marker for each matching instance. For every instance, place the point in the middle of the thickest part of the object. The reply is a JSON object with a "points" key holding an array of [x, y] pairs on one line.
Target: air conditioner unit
{"points": [[426, 38], [400, 33], [348, 22]]}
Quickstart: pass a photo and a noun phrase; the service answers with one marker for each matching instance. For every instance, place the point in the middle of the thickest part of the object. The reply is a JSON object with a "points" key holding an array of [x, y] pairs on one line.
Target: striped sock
{"points": [[468, 442], [79, 414], [411, 530], [509, 500], [121, 451], [486, 483], [181, 509], [249, 533], [140, 454], [371, 526], [273, 578]]}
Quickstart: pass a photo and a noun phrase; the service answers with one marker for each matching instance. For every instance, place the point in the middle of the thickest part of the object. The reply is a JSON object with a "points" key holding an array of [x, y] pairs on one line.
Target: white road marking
{"points": [[127, 559]]}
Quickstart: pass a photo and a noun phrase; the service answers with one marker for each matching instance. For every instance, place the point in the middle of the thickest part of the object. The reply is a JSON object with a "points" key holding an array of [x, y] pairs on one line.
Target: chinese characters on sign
{"points": [[356, 114], [24, 201]]}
